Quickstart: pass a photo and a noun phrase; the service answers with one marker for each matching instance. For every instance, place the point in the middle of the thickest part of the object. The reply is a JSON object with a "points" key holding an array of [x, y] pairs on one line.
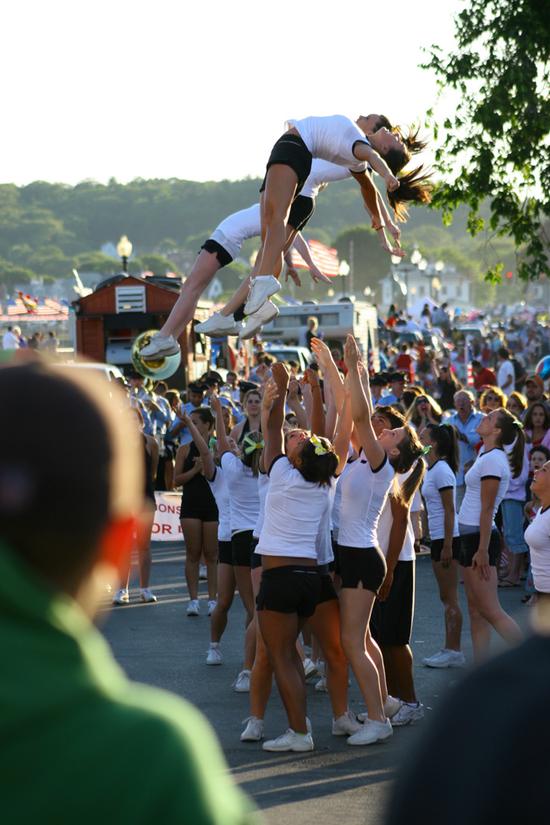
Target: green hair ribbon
{"points": [[250, 445], [320, 448], [426, 449]]}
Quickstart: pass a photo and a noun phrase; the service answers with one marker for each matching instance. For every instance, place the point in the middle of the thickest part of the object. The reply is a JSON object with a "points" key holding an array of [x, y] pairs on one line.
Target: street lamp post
{"points": [[343, 272], [124, 250]]}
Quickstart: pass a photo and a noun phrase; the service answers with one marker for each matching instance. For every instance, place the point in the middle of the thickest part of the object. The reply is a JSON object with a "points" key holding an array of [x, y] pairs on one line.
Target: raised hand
{"points": [[352, 356], [311, 378], [321, 352], [292, 273], [215, 403], [281, 376], [271, 392]]}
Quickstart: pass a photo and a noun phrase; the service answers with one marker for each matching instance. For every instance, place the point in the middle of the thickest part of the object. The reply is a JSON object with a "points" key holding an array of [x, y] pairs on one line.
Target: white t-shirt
{"points": [[492, 464], [385, 524], [438, 477], [297, 514], [263, 485], [322, 171], [332, 138], [364, 494], [11, 341], [244, 499], [220, 492], [505, 370], [237, 228], [537, 537]]}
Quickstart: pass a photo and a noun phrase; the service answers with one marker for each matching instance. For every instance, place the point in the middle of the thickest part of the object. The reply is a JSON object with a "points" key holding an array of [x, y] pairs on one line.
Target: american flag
{"points": [[325, 257]]}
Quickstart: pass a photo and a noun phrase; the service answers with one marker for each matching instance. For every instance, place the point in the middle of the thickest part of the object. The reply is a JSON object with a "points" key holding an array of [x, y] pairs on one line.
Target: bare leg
{"points": [[281, 182], [204, 269], [447, 580], [280, 631], [483, 596], [261, 677], [192, 533], [355, 610], [210, 551], [325, 624], [226, 591], [402, 684], [144, 552]]}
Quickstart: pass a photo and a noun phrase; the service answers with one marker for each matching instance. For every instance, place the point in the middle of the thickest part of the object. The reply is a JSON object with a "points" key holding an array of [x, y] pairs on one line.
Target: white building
{"points": [[408, 283]]}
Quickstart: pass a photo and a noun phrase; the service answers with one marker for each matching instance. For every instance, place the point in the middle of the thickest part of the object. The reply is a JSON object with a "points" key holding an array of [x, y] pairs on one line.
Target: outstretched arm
{"points": [[301, 246], [202, 447], [273, 436], [363, 151], [330, 370], [343, 431], [224, 445], [376, 208], [360, 406], [317, 410]]}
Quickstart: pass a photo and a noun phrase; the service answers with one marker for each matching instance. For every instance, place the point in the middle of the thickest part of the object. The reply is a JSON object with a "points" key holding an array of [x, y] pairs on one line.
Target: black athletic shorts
{"points": [[255, 558], [225, 552], [300, 212], [217, 249], [240, 548], [469, 544], [437, 546], [290, 150], [290, 589], [362, 565], [202, 512], [391, 621]]}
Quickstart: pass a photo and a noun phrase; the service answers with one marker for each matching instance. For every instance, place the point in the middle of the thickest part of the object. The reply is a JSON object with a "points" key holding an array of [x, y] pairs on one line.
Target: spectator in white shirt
{"points": [[506, 377]]}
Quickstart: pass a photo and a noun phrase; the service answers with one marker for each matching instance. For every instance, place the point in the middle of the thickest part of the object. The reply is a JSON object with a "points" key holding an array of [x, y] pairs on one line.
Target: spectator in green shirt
{"points": [[79, 743]]}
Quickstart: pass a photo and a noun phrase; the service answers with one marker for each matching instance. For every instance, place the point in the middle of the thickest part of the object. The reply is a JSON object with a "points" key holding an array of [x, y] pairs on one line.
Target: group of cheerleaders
{"points": [[315, 532], [311, 153]]}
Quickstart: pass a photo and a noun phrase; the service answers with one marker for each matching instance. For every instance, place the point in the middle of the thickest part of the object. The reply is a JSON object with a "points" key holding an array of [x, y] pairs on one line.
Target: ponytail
{"points": [[414, 186], [512, 433], [446, 442], [405, 492]]}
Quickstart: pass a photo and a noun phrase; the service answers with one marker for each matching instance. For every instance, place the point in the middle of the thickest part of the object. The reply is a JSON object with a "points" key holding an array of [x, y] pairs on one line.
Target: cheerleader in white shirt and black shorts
{"points": [[486, 485], [241, 475], [298, 499], [439, 493], [338, 140], [364, 489]]}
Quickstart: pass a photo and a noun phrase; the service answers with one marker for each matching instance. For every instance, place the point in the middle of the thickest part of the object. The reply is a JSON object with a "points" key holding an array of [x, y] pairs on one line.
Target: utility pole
{"points": [[351, 267]]}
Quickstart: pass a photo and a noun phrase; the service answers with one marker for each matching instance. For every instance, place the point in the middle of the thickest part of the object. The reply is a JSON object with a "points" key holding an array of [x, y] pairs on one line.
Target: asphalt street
{"points": [[158, 644]]}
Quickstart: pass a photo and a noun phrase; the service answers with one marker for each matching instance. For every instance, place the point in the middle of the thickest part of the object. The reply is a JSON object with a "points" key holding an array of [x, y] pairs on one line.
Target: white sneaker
{"points": [[262, 288], [214, 655], [310, 668], [290, 741], [371, 732], [211, 606], [160, 346], [391, 706], [321, 685], [346, 724], [408, 714], [445, 658], [203, 573], [121, 596], [219, 324], [147, 595], [255, 322], [193, 608], [242, 682], [254, 730]]}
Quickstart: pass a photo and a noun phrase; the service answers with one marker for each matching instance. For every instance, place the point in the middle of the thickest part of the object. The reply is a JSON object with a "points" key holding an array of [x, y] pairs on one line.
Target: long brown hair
{"points": [[414, 187], [512, 433], [410, 451]]}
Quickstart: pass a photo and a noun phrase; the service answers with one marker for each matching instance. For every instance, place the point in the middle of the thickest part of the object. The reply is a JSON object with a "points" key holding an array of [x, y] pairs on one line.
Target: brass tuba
{"points": [[164, 367]]}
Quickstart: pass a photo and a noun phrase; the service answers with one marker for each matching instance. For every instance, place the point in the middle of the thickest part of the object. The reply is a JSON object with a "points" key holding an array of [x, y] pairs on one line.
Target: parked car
{"points": [[301, 355], [107, 371]]}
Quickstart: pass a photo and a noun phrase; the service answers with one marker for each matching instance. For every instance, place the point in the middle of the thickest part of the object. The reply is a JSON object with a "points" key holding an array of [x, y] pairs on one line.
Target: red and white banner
{"points": [[167, 525], [325, 257]]}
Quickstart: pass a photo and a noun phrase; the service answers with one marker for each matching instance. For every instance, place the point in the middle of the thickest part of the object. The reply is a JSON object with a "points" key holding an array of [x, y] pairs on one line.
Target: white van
{"points": [[336, 320]]}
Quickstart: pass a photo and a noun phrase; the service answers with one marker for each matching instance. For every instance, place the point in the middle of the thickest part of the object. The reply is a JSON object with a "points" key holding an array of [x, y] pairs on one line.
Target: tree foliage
{"points": [[496, 145]]}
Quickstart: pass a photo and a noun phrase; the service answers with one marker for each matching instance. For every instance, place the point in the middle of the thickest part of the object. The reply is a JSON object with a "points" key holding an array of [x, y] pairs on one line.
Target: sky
{"points": [[199, 90]]}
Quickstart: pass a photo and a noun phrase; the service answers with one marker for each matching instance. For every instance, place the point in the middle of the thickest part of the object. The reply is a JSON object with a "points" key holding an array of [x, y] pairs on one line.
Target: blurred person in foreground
{"points": [[67, 708]]}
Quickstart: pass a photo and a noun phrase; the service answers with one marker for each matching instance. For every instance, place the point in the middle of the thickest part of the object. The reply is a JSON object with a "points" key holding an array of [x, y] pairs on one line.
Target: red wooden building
{"points": [[120, 308]]}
